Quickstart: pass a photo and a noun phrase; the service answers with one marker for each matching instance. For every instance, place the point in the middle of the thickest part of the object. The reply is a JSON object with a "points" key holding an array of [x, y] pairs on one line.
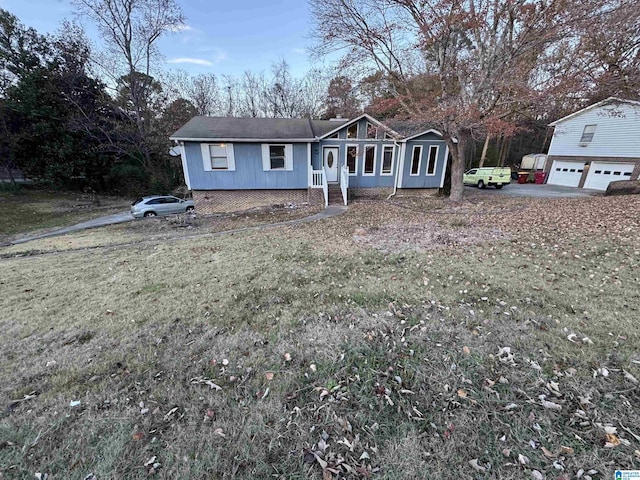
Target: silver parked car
{"points": [[160, 205]]}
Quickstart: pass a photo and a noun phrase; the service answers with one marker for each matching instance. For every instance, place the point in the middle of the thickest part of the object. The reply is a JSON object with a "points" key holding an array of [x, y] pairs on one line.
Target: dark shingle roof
{"points": [[226, 128]]}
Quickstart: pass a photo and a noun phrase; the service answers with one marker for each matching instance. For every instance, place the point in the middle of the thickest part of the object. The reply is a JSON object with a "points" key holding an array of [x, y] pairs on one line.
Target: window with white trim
{"points": [[372, 131], [352, 159], [431, 163], [276, 157], [387, 160], [352, 131], [369, 160], [587, 133], [416, 156], [217, 157]]}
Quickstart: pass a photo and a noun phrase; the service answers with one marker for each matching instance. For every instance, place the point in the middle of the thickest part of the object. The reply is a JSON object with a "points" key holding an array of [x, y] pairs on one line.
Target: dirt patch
{"points": [[428, 236]]}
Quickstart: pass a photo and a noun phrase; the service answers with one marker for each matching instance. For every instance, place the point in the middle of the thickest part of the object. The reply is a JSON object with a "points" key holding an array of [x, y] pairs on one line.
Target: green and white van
{"points": [[488, 176]]}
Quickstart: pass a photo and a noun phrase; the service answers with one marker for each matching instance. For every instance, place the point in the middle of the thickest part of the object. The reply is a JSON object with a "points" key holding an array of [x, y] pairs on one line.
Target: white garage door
{"points": [[566, 173], [600, 174]]}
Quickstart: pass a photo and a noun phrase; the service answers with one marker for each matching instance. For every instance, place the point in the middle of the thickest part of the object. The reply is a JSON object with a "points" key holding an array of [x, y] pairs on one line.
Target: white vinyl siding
{"points": [[217, 157], [616, 133], [272, 157]]}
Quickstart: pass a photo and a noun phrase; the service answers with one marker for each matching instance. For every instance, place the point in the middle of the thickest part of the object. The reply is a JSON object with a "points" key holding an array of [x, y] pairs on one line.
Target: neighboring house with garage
{"points": [[239, 163], [596, 145]]}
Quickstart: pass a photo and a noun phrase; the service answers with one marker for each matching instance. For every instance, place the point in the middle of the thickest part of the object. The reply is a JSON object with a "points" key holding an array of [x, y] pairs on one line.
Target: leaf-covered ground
{"points": [[403, 339]]}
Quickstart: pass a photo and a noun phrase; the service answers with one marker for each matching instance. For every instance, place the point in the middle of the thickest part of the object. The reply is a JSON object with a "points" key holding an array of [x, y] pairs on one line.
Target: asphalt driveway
{"points": [[537, 191], [96, 222]]}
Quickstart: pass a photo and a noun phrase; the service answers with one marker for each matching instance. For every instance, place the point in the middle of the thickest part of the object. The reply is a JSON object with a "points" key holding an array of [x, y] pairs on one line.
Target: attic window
{"points": [[587, 134], [372, 132], [387, 136], [352, 131]]}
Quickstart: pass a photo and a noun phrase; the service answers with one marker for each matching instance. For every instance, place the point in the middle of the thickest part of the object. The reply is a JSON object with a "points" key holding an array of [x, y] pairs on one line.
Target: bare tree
{"points": [[131, 29], [490, 57]]}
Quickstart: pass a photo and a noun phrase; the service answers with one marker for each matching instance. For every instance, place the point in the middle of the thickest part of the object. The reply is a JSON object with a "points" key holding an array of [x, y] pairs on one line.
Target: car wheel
{"points": [[480, 184], [189, 209], [149, 214], [498, 187]]}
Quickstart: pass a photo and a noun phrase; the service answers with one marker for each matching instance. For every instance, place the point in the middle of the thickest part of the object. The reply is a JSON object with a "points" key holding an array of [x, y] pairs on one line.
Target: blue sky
{"points": [[222, 37]]}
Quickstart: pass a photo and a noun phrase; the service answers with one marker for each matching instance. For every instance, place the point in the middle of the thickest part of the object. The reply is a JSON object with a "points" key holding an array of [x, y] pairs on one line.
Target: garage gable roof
{"points": [[607, 101]]}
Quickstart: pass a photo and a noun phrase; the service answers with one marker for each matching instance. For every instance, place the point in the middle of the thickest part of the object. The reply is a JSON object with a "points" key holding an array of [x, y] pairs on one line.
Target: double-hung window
{"points": [[217, 157], [277, 157], [587, 134]]}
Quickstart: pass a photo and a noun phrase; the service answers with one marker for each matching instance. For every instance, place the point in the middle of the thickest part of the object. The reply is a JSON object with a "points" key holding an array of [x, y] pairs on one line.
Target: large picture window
{"points": [[369, 160], [352, 159]]}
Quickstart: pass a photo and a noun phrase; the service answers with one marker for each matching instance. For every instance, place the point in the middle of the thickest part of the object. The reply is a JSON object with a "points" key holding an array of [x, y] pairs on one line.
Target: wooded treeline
{"points": [[491, 74]]}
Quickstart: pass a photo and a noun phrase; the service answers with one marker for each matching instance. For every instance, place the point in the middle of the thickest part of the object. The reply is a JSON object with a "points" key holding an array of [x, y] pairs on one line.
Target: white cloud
{"points": [[299, 51], [181, 28], [193, 61]]}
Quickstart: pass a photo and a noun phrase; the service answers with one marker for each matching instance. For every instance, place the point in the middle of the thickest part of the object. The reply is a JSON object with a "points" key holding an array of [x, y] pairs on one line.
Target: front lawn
{"points": [[25, 211], [403, 339]]}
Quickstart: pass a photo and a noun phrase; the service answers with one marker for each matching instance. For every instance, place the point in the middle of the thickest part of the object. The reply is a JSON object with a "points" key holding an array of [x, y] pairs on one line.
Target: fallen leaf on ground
{"points": [[476, 466]]}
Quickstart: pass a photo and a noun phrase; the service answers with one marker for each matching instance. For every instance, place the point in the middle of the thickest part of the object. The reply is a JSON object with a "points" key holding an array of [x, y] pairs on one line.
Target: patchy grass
{"points": [[153, 230], [285, 352], [29, 210]]}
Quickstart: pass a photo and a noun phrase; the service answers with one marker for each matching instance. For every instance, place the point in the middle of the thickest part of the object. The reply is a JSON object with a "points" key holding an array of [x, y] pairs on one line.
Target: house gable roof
{"points": [[595, 105], [202, 128], [357, 119]]}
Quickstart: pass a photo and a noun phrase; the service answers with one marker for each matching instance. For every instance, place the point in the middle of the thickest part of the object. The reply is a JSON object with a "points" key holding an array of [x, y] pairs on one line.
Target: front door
{"points": [[330, 155]]}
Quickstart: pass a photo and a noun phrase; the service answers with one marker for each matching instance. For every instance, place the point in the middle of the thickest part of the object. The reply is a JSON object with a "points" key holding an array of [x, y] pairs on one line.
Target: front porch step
{"points": [[335, 194]]}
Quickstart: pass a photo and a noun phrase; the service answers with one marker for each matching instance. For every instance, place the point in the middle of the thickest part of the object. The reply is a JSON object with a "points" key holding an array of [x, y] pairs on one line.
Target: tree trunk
{"points": [[483, 157], [457, 167]]}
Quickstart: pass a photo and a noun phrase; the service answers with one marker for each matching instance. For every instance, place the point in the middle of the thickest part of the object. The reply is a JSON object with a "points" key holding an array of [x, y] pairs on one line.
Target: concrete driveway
{"points": [[96, 222], [537, 191]]}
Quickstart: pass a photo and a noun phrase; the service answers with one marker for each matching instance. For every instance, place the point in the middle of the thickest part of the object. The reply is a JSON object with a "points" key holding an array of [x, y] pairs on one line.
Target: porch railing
{"points": [[318, 179], [344, 182]]}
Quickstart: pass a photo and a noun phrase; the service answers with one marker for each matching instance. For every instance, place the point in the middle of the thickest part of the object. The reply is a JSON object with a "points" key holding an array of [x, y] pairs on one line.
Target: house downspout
{"points": [[395, 184]]}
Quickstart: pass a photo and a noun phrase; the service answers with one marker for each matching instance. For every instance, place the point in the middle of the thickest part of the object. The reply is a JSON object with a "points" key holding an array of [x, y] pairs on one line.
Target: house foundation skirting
{"points": [[226, 201]]}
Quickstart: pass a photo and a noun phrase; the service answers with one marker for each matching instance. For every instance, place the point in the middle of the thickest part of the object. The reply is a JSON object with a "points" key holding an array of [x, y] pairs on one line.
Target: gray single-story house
{"points": [[239, 163]]}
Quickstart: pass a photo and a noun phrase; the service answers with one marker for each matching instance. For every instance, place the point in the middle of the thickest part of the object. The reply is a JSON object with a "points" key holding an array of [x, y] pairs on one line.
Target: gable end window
{"points": [[433, 156], [217, 157], [372, 131], [352, 159], [369, 160], [587, 133], [277, 157], [387, 160], [416, 156], [352, 131]]}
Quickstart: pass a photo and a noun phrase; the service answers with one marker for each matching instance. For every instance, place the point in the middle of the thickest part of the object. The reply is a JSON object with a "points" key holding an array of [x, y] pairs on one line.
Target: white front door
{"points": [[566, 173], [601, 173], [330, 162]]}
